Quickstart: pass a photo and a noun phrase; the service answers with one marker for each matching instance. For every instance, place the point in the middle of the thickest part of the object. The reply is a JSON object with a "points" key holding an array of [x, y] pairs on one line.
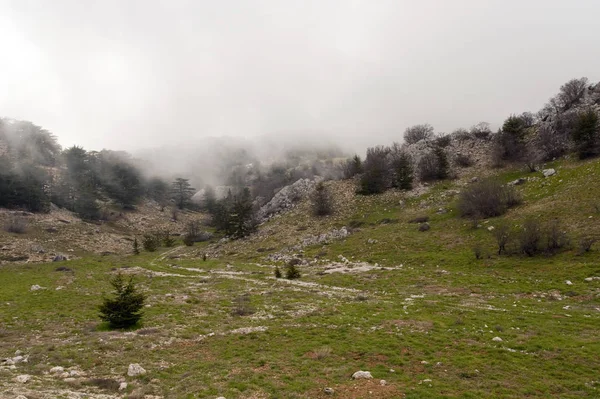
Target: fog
{"points": [[147, 75]]}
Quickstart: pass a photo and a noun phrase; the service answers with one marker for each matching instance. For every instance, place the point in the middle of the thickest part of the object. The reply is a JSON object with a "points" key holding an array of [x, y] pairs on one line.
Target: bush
{"points": [[481, 131], [417, 133], [443, 140], [242, 306], [556, 237], [151, 242], [401, 168], [352, 167], [419, 219], [461, 135], [321, 201], [17, 225], [434, 165], [278, 272], [585, 244], [136, 246], [488, 198], [530, 237], [292, 271], [188, 240], [168, 241], [586, 134], [125, 308], [502, 235], [375, 178], [464, 161]]}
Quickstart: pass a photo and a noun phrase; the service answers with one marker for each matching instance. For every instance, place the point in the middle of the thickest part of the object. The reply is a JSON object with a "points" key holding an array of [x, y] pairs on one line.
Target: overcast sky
{"points": [[127, 74]]}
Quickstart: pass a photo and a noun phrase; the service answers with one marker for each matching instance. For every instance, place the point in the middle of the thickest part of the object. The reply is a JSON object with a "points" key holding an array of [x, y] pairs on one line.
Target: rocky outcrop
{"points": [[287, 198]]}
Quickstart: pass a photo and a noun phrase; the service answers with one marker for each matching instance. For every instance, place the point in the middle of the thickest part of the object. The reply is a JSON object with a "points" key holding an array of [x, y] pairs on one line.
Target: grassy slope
{"points": [[430, 314]]}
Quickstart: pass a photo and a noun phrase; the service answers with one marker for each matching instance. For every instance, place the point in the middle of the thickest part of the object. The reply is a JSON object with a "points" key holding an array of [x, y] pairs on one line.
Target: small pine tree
{"points": [[125, 308], [321, 201], [403, 171], [168, 241], [136, 246], [278, 272], [586, 134], [188, 240], [150, 242], [292, 271]]}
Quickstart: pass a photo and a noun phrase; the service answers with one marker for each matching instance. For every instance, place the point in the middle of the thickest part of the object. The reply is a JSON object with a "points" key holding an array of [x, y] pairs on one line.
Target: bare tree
{"points": [[417, 133]]}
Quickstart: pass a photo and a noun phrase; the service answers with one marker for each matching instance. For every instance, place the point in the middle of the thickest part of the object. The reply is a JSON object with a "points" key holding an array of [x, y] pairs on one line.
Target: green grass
{"points": [[429, 314]]}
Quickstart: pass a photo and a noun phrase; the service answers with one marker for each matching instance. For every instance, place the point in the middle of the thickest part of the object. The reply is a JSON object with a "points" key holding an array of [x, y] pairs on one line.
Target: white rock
{"points": [[497, 339], [57, 369], [35, 287], [383, 383], [491, 228], [21, 397], [18, 352], [329, 391], [362, 375], [568, 282], [135, 370], [591, 278], [23, 378], [548, 172], [221, 397], [392, 371], [122, 386], [74, 373]]}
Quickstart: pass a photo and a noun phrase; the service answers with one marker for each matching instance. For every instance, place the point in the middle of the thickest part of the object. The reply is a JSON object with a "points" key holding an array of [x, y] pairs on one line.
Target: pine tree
{"points": [[182, 192], [321, 201], [125, 308], [403, 171], [277, 272], [136, 247]]}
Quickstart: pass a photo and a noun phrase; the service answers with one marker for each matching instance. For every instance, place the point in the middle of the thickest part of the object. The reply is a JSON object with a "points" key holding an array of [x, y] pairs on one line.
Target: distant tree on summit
{"points": [[182, 192]]}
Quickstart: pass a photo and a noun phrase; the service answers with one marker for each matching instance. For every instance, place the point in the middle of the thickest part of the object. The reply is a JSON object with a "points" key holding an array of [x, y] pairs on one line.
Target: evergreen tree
{"points": [[182, 192], [136, 246], [321, 201], [402, 170], [586, 134], [242, 221], [125, 308]]}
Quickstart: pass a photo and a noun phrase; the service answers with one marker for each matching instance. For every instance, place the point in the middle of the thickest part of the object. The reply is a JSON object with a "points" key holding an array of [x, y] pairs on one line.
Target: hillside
{"points": [[414, 308]]}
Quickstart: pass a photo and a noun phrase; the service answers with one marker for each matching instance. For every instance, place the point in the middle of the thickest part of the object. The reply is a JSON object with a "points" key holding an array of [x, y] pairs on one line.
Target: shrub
{"points": [[463, 160], [424, 227], [586, 134], [242, 306], [443, 140], [125, 308], [585, 244], [151, 242], [434, 165], [17, 225], [487, 198], [321, 201], [168, 241], [136, 246], [551, 143], [375, 178], [278, 272], [502, 235], [417, 133], [352, 167], [188, 240], [478, 251], [481, 130], [401, 168], [292, 271], [461, 135], [556, 237], [530, 237]]}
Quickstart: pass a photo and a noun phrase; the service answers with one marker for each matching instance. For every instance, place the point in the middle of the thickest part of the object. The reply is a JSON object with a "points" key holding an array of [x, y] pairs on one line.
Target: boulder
{"points": [[23, 378], [362, 375], [135, 369], [59, 258], [548, 172], [497, 339], [57, 369]]}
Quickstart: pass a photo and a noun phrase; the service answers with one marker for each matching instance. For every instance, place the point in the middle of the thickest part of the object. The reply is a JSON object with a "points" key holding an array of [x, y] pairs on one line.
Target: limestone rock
{"points": [[360, 375], [135, 369]]}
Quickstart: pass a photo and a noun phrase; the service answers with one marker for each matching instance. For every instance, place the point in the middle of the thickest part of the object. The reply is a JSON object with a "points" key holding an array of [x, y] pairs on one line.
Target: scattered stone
{"points": [[221, 397], [135, 370], [57, 369], [383, 383], [548, 172], [122, 386], [372, 241], [491, 228], [52, 230], [23, 378], [329, 391], [424, 226], [392, 371], [588, 279], [359, 375], [36, 287], [568, 282], [517, 182], [59, 258], [497, 339]]}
